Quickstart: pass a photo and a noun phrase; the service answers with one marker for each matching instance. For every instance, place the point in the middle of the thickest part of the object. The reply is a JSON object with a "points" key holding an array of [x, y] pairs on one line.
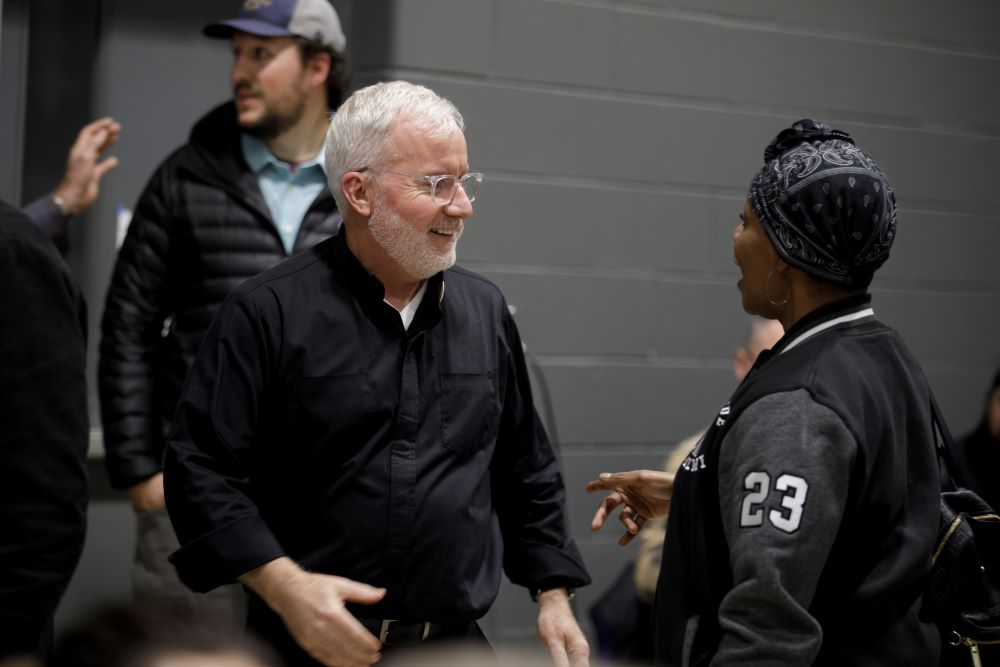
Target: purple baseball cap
{"points": [[312, 19]]}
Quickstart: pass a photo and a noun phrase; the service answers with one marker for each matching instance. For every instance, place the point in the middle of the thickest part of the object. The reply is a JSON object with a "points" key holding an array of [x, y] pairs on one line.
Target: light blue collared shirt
{"points": [[288, 190]]}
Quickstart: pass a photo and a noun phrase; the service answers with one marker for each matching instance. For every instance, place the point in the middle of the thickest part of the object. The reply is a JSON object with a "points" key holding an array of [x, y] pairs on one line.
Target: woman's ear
{"points": [[357, 193]]}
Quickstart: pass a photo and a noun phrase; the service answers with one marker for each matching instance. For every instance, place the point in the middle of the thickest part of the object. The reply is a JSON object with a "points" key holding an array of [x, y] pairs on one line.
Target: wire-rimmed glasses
{"points": [[444, 187]]}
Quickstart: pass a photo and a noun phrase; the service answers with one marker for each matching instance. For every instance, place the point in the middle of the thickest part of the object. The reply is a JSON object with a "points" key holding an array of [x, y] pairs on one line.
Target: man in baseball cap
{"points": [[246, 191]]}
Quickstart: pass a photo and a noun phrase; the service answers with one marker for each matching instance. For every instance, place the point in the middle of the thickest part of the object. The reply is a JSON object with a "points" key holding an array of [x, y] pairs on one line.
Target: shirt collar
{"points": [[852, 309], [258, 155], [370, 292]]}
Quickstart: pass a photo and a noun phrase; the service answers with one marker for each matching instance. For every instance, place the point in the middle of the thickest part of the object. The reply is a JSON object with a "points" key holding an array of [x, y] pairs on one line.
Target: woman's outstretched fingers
{"points": [[633, 522], [604, 510], [647, 491]]}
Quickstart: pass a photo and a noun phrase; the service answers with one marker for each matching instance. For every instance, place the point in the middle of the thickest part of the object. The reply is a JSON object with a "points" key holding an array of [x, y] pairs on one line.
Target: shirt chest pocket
{"points": [[470, 409]]}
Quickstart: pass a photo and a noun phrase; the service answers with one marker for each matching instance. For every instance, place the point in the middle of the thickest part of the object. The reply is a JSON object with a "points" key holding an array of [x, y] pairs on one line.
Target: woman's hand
{"points": [[643, 495]]}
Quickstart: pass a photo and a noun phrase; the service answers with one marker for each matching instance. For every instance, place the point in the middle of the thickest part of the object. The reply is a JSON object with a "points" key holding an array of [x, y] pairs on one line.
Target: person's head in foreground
{"points": [[157, 634]]}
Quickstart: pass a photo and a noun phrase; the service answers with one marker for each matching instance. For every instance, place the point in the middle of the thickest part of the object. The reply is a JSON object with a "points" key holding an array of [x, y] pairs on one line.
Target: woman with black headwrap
{"points": [[801, 525]]}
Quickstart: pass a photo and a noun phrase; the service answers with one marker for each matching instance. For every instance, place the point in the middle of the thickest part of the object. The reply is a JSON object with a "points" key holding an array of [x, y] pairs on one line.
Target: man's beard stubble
{"points": [[407, 246], [273, 123]]}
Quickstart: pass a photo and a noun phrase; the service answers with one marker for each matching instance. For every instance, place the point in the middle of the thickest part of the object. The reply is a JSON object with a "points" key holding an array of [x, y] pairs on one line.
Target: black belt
{"points": [[394, 633]]}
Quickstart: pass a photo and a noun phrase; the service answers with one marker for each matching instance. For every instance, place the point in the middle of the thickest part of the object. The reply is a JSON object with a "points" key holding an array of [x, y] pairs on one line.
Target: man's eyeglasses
{"points": [[443, 187]]}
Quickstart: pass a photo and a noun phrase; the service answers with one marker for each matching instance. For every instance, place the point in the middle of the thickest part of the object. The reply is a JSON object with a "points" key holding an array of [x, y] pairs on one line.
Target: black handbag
{"points": [[962, 595]]}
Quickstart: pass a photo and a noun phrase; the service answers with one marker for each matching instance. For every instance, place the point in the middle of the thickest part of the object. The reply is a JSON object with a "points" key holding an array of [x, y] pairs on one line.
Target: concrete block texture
{"points": [[522, 220], [442, 36], [526, 31], [966, 27], [701, 57]]}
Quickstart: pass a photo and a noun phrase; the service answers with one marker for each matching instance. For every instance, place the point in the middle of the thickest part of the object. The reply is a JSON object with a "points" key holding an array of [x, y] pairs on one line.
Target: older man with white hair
{"points": [[356, 443]]}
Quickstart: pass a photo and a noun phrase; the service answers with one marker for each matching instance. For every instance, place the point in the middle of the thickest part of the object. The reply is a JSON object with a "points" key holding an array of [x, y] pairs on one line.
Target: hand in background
{"points": [[81, 181], [643, 495]]}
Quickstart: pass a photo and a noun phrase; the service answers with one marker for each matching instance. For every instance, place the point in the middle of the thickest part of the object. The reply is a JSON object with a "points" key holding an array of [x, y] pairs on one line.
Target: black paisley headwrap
{"points": [[824, 203]]}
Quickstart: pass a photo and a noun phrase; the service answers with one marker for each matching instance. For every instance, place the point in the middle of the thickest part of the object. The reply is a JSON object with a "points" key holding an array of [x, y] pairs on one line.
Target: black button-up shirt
{"points": [[314, 425]]}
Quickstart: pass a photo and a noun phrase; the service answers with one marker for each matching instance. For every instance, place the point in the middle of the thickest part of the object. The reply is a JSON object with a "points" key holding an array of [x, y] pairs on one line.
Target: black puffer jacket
{"points": [[201, 228]]}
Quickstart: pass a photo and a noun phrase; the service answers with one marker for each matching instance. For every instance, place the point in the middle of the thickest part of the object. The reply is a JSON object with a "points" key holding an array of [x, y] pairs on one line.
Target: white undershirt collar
{"points": [[809, 333], [409, 311]]}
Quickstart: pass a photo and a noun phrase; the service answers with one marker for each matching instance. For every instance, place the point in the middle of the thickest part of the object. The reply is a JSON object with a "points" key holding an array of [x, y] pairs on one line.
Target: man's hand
{"points": [[80, 184], [148, 494], [312, 608], [559, 631], [643, 494]]}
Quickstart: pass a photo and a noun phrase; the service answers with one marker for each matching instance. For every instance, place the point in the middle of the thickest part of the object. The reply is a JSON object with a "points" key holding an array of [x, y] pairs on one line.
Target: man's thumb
{"points": [[355, 591]]}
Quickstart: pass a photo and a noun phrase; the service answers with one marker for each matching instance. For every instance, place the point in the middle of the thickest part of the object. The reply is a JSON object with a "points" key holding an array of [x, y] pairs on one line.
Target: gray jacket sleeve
{"points": [[784, 470]]}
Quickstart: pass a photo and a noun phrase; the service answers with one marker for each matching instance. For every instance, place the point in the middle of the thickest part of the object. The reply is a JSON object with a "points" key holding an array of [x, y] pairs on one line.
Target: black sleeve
{"points": [[207, 462], [43, 431], [529, 494], [134, 312]]}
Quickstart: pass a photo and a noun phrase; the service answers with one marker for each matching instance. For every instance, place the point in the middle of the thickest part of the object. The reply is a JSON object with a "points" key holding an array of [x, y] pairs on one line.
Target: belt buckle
{"points": [[386, 626], [383, 633]]}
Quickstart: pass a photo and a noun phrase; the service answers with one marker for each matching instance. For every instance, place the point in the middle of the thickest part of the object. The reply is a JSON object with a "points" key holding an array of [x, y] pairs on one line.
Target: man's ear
{"points": [[357, 193], [317, 68]]}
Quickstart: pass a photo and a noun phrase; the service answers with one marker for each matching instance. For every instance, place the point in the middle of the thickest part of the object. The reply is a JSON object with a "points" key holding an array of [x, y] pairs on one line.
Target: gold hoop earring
{"points": [[767, 291]]}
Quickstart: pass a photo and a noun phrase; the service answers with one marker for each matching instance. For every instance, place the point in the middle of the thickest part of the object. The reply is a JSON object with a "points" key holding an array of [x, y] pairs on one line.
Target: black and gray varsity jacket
{"points": [[802, 524]]}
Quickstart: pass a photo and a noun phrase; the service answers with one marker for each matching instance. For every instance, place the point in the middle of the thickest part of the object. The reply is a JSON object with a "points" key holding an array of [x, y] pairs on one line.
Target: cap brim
{"points": [[249, 26]]}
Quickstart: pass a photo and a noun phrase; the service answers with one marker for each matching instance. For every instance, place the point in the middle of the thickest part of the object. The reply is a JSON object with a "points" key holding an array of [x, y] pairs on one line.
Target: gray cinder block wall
{"points": [[618, 138]]}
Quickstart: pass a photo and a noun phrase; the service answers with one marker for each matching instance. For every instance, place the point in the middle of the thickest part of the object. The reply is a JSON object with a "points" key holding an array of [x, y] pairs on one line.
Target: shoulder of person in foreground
{"points": [[43, 427]]}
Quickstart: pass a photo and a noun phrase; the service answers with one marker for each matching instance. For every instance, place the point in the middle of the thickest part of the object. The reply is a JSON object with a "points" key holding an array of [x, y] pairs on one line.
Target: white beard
{"points": [[409, 247]]}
